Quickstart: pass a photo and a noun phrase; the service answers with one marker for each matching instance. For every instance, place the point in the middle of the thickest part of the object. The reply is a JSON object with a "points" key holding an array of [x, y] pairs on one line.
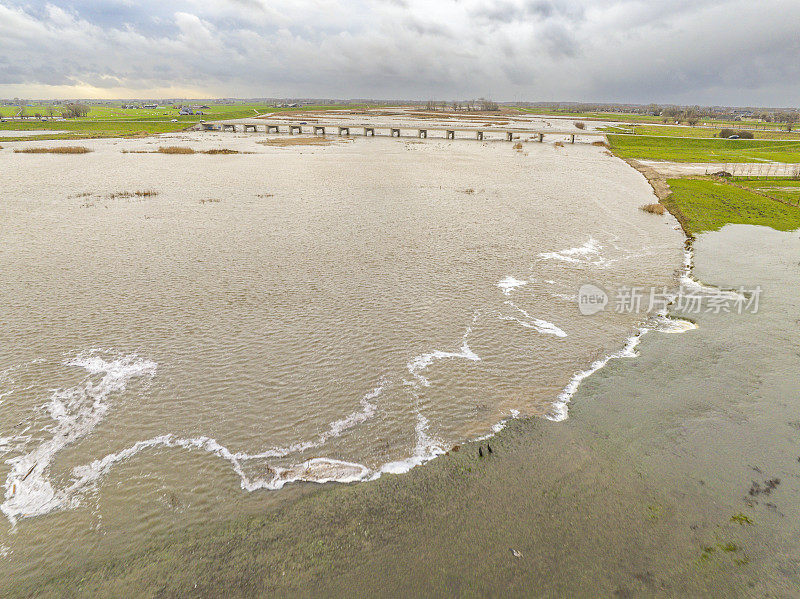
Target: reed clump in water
{"points": [[653, 209], [282, 142], [59, 150], [175, 150], [141, 193]]}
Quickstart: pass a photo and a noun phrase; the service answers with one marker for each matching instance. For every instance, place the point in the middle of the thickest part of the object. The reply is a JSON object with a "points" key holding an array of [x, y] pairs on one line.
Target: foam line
{"points": [[76, 412], [420, 363], [509, 283], [532, 322]]}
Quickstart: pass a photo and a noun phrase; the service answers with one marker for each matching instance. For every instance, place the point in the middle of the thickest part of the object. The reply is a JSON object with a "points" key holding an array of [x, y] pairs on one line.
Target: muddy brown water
{"points": [[319, 313]]}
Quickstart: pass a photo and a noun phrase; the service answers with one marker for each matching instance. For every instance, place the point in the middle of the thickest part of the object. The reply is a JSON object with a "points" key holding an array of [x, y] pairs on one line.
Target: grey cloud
{"points": [[710, 51]]}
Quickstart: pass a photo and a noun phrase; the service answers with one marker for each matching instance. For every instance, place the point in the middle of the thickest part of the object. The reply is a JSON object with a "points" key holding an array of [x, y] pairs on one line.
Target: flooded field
{"points": [[183, 336]]}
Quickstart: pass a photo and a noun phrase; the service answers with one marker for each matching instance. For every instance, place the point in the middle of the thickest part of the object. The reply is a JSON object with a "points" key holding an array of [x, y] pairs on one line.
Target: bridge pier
{"points": [[573, 138], [369, 131], [226, 126], [541, 137], [247, 127], [344, 130], [293, 128], [318, 129], [395, 132], [479, 135], [271, 128], [450, 134], [423, 133], [509, 136]]}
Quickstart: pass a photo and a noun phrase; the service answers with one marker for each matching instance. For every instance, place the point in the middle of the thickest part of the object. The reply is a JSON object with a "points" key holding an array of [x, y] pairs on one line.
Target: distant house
{"points": [[186, 112]]}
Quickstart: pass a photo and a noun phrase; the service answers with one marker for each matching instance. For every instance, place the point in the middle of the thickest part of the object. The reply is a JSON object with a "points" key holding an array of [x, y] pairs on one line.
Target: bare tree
{"points": [[75, 111]]}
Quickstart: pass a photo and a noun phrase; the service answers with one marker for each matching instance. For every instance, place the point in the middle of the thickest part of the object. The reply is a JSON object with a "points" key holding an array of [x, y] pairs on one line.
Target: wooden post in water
{"points": [[573, 138], [451, 134], [541, 137], [423, 133], [479, 136], [509, 136]]}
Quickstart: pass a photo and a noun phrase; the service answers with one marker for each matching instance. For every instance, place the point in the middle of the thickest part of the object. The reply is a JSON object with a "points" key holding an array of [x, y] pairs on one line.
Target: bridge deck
{"points": [[264, 124]]}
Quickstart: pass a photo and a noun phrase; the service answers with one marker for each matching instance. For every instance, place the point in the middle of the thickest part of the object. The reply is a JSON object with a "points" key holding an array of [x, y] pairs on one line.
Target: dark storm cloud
{"points": [[701, 51]]}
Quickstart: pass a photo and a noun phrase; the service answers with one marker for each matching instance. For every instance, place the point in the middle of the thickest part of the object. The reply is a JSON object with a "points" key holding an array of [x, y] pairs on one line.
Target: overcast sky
{"points": [[684, 51]]}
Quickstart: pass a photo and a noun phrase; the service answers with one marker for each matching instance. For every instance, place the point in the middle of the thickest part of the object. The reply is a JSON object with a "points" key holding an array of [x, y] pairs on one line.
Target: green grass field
{"points": [[708, 205], [622, 117], [114, 121], [787, 190], [704, 150], [684, 131]]}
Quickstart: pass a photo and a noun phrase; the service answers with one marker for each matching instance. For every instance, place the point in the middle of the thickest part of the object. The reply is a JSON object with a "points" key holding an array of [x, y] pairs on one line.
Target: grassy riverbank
{"points": [[679, 149], [708, 204], [104, 121], [694, 132]]}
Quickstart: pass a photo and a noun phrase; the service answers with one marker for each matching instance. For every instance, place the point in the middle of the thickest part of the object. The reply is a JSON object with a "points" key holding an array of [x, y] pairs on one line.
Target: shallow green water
{"points": [[676, 475]]}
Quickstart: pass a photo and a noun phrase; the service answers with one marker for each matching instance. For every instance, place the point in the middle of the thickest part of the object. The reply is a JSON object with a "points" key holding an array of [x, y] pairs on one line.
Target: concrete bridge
{"points": [[394, 130]]}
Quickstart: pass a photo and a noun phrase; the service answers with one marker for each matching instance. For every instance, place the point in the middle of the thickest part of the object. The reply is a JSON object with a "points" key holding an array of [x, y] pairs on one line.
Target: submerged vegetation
{"points": [[295, 141], [141, 193], [61, 150], [175, 150], [653, 208]]}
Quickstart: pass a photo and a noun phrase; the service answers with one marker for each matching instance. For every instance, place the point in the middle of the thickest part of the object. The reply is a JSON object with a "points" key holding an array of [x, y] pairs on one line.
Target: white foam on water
{"points": [[420, 363], [538, 324], [691, 286], [76, 412], [661, 322], [508, 284], [4, 551], [588, 253], [559, 410], [426, 449], [672, 325], [335, 428], [496, 428]]}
